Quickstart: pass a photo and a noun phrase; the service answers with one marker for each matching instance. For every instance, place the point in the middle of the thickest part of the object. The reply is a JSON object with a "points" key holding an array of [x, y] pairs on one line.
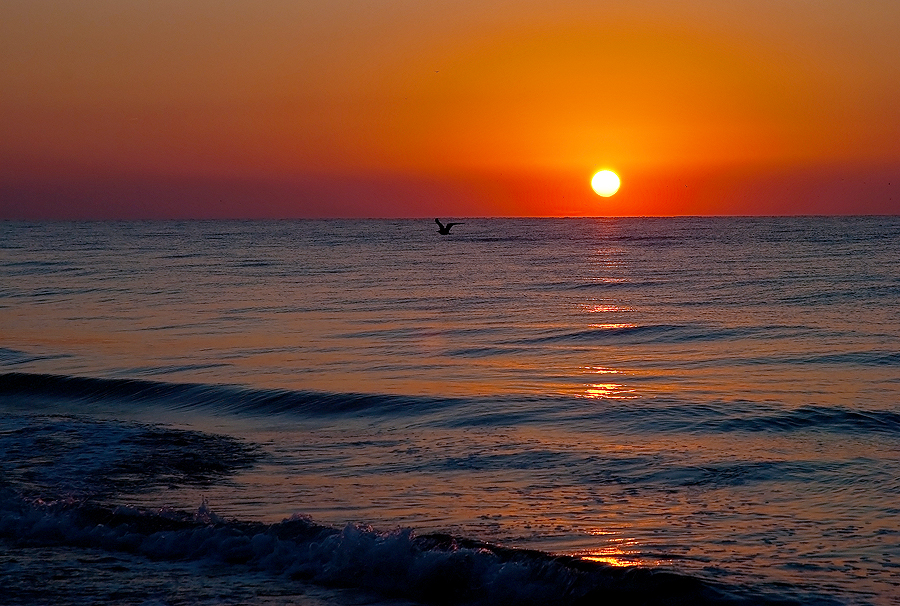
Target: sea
{"points": [[586, 411]]}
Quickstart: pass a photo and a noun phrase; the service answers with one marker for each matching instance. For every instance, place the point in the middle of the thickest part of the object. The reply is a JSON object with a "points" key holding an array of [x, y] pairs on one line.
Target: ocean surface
{"points": [[525, 411]]}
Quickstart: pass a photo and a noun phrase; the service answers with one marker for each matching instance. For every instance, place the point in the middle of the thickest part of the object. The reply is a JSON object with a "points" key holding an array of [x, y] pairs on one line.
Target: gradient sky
{"points": [[415, 108]]}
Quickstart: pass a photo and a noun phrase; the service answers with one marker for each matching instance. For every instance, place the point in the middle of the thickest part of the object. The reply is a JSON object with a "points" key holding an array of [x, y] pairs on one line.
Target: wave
{"points": [[607, 283], [813, 417], [645, 415], [430, 568], [11, 357], [855, 358], [649, 333], [222, 398], [743, 416]]}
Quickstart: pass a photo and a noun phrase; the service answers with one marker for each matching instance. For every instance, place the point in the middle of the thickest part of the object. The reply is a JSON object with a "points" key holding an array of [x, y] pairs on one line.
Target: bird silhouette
{"points": [[444, 229]]}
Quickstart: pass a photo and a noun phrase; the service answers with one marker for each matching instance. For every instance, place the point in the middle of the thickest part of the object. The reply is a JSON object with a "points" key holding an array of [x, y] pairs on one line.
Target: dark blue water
{"points": [[545, 411]]}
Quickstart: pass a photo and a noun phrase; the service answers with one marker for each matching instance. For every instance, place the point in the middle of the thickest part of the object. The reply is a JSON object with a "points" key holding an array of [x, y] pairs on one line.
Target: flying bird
{"points": [[444, 229]]}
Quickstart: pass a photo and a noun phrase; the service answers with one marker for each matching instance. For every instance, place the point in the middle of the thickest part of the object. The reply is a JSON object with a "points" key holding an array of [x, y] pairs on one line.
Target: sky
{"points": [[192, 109]]}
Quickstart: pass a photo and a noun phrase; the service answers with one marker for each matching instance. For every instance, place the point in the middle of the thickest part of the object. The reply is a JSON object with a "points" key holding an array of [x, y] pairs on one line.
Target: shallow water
{"points": [[713, 397]]}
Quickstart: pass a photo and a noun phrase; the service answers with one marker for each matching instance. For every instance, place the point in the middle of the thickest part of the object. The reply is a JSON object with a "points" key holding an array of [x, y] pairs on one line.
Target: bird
{"points": [[444, 229]]}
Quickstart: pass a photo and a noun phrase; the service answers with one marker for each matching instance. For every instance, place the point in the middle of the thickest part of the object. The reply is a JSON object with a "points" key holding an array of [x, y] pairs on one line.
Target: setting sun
{"points": [[605, 183]]}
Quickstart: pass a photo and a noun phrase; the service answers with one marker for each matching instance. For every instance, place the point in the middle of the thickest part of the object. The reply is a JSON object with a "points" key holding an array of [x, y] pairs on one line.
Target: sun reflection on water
{"points": [[613, 391], [613, 326], [619, 553], [605, 308], [608, 556], [606, 390]]}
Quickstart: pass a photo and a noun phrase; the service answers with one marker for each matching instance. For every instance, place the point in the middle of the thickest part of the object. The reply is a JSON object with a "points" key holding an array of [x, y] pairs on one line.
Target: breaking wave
{"points": [[430, 568]]}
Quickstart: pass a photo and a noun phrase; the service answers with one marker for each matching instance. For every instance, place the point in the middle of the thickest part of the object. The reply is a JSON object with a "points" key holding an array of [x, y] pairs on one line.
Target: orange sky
{"points": [[409, 108]]}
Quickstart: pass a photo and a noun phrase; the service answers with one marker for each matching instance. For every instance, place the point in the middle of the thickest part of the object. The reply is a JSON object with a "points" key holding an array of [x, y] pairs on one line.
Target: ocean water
{"points": [[525, 411]]}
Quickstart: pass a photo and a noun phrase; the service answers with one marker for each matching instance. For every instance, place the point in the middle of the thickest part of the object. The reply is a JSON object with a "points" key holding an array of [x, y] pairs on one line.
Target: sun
{"points": [[605, 183]]}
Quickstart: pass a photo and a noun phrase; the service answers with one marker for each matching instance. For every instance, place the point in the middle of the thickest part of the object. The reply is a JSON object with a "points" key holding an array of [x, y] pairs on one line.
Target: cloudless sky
{"points": [[418, 108]]}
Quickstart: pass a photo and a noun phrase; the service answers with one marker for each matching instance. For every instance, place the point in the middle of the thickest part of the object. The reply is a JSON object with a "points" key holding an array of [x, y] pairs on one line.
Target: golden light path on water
{"points": [[618, 552]]}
